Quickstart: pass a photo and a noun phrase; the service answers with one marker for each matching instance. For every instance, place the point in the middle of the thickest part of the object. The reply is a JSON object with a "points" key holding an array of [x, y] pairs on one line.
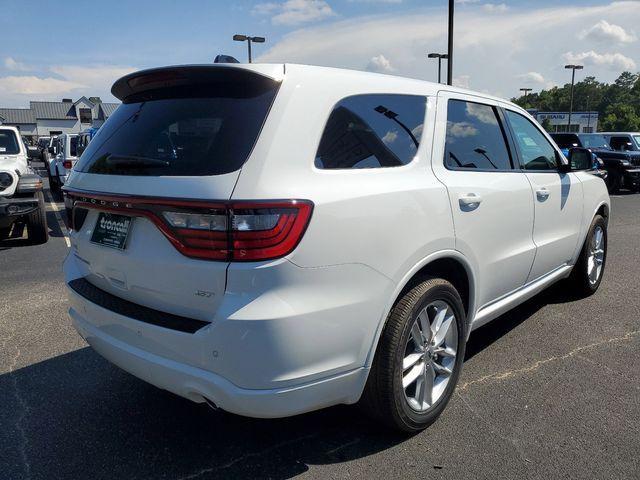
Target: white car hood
{"points": [[14, 165]]}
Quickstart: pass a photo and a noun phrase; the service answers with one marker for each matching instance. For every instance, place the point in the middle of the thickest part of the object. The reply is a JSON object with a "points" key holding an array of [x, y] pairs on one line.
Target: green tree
{"points": [[620, 117], [617, 104]]}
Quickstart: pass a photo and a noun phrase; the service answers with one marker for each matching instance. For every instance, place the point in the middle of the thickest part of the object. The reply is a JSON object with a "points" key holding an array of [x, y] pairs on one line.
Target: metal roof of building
{"points": [[17, 115], [109, 108], [54, 110]]}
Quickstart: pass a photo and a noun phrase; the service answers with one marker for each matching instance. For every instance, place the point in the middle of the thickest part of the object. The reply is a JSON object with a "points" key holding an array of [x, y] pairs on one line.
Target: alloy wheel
{"points": [[595, 260], [430, 356]]}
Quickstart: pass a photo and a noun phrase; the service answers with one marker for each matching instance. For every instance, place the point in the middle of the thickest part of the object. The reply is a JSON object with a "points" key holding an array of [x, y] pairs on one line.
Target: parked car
{"points": [[597, 168], [623, 168], [274, 242], [623, 141], [21, 197], [43, 145], [64, 156], [84, 138]]}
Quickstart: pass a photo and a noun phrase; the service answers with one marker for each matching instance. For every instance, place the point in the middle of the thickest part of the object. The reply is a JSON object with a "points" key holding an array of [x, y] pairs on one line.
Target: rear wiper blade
{"points": [[135, 161]]}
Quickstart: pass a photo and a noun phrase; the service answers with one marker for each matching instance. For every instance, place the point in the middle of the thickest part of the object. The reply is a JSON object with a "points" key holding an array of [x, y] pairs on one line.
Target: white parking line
{"points": [[56, 212]]}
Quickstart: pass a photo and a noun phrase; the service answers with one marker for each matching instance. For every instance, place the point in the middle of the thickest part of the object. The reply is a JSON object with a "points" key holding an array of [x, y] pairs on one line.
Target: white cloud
{"points": [[12, 64], [495, 7], [535, 78], [490, 48], [375, 1], [32, 85], [482, 113], [461, 81], [461, 129], [379, 64], [612, 61], [69, 80], [294, 12], [531, 77], [417, 132], [604, 31], [92, 75], [265, 8], [390, 137]]}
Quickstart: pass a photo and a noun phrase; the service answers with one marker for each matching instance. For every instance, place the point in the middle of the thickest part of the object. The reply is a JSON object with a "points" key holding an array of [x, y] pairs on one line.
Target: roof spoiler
{"points": [[192, 75]]}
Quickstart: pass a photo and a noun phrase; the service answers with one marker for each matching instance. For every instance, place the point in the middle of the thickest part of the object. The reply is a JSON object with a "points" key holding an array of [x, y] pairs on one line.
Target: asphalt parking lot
{"points": [[551, 390]]}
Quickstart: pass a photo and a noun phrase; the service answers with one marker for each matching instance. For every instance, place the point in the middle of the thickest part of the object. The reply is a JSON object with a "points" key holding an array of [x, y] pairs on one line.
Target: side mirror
{"points": [[53, 150], [580, 159]]}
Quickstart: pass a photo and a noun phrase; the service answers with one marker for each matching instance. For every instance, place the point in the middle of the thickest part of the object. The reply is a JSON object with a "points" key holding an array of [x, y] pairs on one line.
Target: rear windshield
{"points": [[566, 140], [595, 141], [209, 131], [9, 143]]}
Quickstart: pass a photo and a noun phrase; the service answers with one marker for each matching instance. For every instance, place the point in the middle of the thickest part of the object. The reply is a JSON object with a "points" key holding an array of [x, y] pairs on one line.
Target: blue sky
{"points": [[72, 48]]}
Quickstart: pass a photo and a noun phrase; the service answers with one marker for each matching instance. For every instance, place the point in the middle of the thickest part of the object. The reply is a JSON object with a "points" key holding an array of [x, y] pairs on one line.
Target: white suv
{"points": [[64, 153], [274, 239]]}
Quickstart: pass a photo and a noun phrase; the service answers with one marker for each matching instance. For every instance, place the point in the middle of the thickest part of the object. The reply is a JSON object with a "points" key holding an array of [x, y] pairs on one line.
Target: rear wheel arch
{"points": [[603, 211], [449, 265]]}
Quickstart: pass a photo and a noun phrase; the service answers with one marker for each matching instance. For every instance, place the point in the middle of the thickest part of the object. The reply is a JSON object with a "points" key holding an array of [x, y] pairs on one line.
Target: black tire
{"points": [[579, 279], [37, 223], [54, 185], [615, 183], [384, 396]]}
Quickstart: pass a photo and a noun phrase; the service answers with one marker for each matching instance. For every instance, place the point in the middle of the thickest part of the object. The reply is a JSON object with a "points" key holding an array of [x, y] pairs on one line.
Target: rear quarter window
{"points": [[372, 131]]}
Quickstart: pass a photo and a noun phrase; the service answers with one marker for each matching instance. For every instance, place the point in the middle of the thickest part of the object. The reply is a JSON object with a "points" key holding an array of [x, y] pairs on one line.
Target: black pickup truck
{"points": [[623, 168]]}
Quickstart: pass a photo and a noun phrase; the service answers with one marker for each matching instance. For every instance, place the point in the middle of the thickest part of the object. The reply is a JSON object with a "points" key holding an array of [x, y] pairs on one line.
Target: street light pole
{"points": [[390, 114], [525, 90], [573, 69], [450, 45], [439, 56], [248, 39]]}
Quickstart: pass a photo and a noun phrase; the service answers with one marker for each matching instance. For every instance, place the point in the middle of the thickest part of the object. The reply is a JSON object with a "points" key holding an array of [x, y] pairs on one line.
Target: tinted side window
{"points": [[619, 143], [475, 139], [536, 152], [73, 151], [8, 143], [566, 140], [372, 131]]}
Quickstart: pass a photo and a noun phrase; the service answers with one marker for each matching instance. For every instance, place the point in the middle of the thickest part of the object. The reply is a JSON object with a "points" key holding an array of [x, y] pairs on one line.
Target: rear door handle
{"points": [[542, 194], [470, 200]]}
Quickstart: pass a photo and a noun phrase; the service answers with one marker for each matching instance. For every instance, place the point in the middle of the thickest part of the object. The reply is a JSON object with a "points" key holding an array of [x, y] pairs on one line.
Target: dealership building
{"points": [[55, 118], [557, 122]]}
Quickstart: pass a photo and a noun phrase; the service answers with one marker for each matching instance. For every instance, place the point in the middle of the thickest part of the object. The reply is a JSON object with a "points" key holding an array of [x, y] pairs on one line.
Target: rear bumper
{"points": [[197, 384], [284, 340], [631, 177], [16, 207]]}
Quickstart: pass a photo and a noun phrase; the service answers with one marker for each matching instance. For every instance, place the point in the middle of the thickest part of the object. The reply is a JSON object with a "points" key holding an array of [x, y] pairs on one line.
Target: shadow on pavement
{"points": [[77, 416], [493, 331], [19, 236], [84, 418]]}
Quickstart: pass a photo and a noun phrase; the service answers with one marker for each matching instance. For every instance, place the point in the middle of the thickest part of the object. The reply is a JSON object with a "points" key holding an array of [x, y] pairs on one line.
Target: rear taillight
{"points": [[67, 164], [229, 231], [262, 231]]}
